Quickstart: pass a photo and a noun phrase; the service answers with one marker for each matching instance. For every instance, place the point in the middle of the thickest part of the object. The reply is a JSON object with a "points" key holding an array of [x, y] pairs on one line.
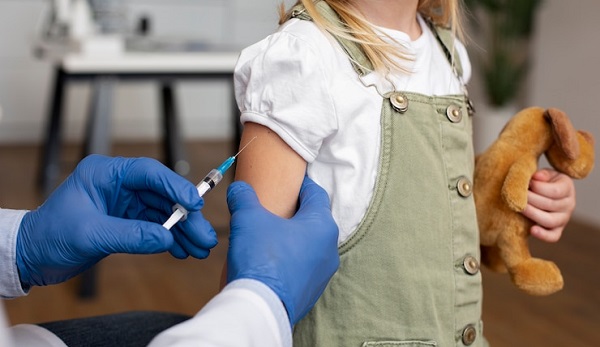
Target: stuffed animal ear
{"points": [[564, 133], [587, 136]]}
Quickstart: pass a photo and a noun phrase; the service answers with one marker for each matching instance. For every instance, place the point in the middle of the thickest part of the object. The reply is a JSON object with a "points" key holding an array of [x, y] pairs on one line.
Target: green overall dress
{"points": [[409, 275]]}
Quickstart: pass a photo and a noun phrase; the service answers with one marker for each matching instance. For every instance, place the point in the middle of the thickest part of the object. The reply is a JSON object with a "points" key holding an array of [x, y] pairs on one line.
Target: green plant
{"points": [[507, 27]]}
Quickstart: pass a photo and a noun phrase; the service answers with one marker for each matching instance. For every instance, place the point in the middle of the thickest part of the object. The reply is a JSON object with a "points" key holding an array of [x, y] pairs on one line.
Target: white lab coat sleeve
{"points": [[10, 284], [245, 313], [32, 335]]}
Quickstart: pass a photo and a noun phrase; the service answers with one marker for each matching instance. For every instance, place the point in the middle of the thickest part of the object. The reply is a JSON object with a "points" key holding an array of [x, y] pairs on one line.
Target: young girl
{"points": [[369, 98]]}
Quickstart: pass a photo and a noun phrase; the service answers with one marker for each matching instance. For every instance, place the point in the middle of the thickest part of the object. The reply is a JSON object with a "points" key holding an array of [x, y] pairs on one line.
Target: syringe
{"points": [[206, 185]]}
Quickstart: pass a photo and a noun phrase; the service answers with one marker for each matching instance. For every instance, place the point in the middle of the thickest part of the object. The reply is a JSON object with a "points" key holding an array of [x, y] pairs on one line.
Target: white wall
{"points": [[567, 76], [21, 77]]}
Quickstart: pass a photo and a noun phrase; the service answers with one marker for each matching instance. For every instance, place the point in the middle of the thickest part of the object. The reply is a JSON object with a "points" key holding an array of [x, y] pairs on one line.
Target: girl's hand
{"points": [[550, 203]]}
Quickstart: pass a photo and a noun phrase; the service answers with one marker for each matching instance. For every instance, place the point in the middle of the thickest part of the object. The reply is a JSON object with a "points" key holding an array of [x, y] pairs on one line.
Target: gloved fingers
{"points": [[117, 235], [195, 227], [188, 246], [152, 215], [150, 175], [158, 217], [314, 203], [198, 230], [177, 251], [194, 236], [155, 201], [313, 198], [241, 195]]}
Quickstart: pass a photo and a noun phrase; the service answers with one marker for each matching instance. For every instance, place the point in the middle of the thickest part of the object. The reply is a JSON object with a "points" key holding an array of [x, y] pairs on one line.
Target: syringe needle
{"points": [[209, 182], [246, 145]]}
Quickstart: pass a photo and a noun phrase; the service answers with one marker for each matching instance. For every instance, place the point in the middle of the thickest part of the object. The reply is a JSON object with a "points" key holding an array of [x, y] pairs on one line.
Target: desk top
{"points": [[152, 62], [150, 58]]}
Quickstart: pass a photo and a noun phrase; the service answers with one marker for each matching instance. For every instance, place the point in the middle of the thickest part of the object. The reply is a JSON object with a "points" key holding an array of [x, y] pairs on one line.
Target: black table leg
{"points": [[97, 133], [87, 287], [172, 140], [50, 157], [97, 141]]}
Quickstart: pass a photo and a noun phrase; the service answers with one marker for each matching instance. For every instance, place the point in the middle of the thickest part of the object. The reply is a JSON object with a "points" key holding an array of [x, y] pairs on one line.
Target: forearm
{"points": [[10, 284]]}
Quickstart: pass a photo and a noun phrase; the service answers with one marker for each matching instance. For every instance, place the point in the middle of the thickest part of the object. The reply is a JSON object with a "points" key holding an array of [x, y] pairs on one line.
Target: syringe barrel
{"points": [[206, 185], [212, 179]]}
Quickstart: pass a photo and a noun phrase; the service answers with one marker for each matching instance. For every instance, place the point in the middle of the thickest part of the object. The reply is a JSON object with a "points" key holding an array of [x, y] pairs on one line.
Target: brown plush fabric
{"points": [[501, 182]]}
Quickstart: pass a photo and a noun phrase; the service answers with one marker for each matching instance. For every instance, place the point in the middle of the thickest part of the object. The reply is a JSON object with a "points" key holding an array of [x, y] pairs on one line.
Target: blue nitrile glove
{"points": [[295, 257], [109, 205]]}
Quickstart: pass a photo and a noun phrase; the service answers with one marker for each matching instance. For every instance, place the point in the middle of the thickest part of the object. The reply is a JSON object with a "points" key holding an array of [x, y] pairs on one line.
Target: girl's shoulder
{"points": [[306, 31], [296, 40]]}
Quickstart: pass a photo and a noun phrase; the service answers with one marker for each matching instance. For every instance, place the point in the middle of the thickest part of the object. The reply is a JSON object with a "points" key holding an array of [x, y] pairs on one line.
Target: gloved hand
{"points": [[295, 257], [109, 205]]}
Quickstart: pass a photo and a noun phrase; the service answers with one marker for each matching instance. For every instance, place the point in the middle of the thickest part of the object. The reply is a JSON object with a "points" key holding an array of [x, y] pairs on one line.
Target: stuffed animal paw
{"points": [[501, 181]]}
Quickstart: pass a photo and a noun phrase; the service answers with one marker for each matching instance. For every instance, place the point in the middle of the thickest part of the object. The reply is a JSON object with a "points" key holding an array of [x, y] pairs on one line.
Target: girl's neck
{"points": [[398, 15]]}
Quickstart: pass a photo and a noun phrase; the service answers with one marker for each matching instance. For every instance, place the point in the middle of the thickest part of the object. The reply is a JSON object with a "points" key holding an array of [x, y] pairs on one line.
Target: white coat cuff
{"points": [[272, 300], [10, 283]]}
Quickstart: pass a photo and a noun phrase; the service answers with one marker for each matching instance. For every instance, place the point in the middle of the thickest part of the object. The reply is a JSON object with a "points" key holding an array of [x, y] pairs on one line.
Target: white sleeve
{"points": [[281, 82], [10, 284], [246, 313], [5, 338], [32, 335]]}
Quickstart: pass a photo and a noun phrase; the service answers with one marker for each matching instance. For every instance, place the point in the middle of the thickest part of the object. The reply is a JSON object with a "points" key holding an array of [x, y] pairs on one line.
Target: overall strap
{"points": [[359, 60], [446, 41]]}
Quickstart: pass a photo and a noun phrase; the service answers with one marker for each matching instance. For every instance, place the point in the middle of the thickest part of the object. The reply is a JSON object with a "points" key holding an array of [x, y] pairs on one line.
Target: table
{"points": [[104, 72]]}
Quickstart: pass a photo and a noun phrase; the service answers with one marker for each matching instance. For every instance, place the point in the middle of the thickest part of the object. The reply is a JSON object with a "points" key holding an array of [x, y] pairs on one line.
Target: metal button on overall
{"points": [[469, 335], [465, 188], [471, 265], [399, 102], [454, 113]]}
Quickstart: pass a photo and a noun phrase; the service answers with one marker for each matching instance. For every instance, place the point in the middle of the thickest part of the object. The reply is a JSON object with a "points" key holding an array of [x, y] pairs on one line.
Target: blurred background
{"points": [[556, 66]]}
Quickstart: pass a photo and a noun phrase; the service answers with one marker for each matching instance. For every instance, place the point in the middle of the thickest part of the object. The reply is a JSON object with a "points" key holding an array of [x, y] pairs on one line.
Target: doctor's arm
{"points": [[277, 269], [107, 205]]}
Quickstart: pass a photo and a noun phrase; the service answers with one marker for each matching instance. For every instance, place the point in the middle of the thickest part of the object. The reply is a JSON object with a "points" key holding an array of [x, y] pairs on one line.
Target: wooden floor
{"points": [[126, 282]]}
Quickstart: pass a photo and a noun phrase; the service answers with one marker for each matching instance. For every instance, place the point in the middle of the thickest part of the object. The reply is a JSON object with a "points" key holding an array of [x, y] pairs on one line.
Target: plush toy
{"points": [[502, 175]]}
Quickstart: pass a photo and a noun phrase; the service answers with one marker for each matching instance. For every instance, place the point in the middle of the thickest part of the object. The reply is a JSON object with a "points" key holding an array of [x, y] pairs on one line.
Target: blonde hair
{"points": [[383, 55]]}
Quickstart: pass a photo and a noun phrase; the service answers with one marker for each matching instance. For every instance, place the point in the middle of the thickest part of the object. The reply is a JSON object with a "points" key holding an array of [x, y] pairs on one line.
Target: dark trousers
{"points": [[130, 329]]}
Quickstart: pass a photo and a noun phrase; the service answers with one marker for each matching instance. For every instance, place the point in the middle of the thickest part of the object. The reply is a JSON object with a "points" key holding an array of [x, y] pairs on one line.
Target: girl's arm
{"points": [[274, 170]]}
